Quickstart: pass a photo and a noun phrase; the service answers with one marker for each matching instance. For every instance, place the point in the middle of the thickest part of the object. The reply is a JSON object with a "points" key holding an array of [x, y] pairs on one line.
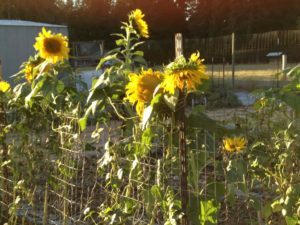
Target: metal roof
{"points": [[26, 23], [274, 54]]}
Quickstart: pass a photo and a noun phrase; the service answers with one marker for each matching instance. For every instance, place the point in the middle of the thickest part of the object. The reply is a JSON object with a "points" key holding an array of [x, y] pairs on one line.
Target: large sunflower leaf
{"points": [[146, 116], [171, 100], [201, 120]]}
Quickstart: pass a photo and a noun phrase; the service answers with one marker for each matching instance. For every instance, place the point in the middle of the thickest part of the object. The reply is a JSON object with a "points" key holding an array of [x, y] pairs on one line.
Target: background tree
{"points": [[96, 19]]}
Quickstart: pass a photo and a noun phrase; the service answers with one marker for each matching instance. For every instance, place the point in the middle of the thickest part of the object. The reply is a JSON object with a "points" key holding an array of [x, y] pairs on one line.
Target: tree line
{"points": [[97, 19]]}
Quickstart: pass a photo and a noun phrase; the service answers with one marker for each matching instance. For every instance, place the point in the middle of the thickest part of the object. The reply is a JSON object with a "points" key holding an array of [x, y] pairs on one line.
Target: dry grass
{"points": [[247, 76]]}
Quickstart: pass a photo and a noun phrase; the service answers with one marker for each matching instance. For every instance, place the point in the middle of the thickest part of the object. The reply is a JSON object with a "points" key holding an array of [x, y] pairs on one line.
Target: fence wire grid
{"points": [[69, 183]]}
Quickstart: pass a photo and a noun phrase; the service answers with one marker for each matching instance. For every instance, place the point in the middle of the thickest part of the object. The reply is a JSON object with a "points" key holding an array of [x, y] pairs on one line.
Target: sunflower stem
{"points": [[128, 43]]}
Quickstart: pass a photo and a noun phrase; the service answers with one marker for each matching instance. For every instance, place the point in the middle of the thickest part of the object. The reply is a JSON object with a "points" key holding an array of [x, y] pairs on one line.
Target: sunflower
{"points": [[138, 16], [4, 86], [235, 144], [141, 87], [52, 47], [181, 73], [29, 71], [32, 67], [262, 102]]}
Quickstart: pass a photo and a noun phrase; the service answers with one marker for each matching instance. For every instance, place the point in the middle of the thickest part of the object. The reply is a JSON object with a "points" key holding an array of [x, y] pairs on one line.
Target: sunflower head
{"points": [[183, 73], [235, 144], [141, 87], [31, 68], [52, 47], [29, 72], [4, 86], [142, 25]]}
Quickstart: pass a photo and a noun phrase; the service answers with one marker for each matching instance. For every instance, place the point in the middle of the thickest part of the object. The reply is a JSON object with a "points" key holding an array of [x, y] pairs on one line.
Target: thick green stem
{"points": [[128, 43]]}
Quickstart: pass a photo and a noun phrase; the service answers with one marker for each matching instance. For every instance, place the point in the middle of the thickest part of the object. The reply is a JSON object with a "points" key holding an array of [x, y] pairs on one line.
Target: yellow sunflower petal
{"points": [[236, 144], [4, 86], [194, 57]]}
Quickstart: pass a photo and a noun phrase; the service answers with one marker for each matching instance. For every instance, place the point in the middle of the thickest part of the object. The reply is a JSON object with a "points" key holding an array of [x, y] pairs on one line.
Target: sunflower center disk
{"points": [[146, 87], [52, 45], [232, 146]]}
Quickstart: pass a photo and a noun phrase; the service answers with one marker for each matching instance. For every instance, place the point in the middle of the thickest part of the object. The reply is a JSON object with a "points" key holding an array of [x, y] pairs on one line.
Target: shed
{"points": [[17, 38]]}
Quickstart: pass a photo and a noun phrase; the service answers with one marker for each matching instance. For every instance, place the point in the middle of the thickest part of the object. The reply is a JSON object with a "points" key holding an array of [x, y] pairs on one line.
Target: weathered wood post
{"points": [[45, 217], [284, 65], [223, 76], [4, 155], [180, 119], [233, 58], [178, 45]]}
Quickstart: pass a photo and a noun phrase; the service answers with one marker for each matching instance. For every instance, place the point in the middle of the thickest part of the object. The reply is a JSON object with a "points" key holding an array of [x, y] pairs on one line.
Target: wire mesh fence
{"points": [[117, 180]]}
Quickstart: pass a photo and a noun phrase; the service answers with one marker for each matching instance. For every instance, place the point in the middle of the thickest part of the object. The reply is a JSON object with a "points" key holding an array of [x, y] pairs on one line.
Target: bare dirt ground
{"points": [[229, 114]]}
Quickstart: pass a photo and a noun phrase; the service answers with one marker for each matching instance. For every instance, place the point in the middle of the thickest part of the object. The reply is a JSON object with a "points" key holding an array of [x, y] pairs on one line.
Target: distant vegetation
{"points": [[96, 19]]}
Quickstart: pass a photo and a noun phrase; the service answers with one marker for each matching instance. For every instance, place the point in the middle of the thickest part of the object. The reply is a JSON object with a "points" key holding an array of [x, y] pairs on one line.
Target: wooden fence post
{"points": [[4, 154], [45, 217], [233, 58], [180, 119]]}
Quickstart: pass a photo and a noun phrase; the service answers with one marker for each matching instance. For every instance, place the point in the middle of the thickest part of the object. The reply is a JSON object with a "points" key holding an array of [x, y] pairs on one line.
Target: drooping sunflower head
{"points": [[141, 87], [142, 25], [31, 68], [184, 74], [52, 47], [235, 144], [4, 86], [29, 71]]}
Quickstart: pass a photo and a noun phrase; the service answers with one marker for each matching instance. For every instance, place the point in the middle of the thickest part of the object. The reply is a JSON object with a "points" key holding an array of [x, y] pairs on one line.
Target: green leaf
{"points": [[60, 86], [209, 212], [120, 42], [156, 193], [101, 82], [156, 99], [267, 211], [34, 92], [140, 60], [134, 46], [145, 146], [139, 53], [94, 106], [171, 100], [106, 59], [291, 220], [149, 201], [276, 206], [82, 123], [146, 116], [198, 109], [292, 100], [201, 120]]}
